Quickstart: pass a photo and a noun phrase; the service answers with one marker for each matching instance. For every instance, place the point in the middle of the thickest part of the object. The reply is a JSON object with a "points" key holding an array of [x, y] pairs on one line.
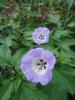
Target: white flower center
{"points": [[41, 36], [39, 66]]}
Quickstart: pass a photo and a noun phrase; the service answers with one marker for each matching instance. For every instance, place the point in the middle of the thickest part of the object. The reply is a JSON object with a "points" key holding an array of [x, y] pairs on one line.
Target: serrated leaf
{"points": [[17, 83], [72, 24], [65, 44], [28, 38], [17, 56], [64, 76], [69, 3], [58, 34], [2, 2], [65, 57], [6, 90], [27, 35], [29, 92], [7, 41], [63, 82], [56, 93], [5, 55], [54, 19]]}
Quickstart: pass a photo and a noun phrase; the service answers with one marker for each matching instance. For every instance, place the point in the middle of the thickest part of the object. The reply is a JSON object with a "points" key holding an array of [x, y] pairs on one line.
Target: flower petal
{"points": [[46, 30], [38, 30], [44, 80], [35, 78], [37, 52], [51, 60], [29, 75], [35, 37]]}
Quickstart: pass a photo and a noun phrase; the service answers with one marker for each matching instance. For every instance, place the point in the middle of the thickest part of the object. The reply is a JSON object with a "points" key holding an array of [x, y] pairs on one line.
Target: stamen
{"points": [[41, 36], [41, 60], [45, 63], [44, 67], [38, 64]]}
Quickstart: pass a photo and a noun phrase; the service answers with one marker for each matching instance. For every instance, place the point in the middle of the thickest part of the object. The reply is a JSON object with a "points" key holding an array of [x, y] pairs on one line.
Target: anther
{"points": [[45, 63], [44, 67], [38, 64], [41, 60]]}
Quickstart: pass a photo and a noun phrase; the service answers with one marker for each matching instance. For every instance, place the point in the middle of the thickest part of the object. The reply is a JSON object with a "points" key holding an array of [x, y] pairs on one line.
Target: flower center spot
{"points": [[43, 64], [41, 36], [39, 66]]}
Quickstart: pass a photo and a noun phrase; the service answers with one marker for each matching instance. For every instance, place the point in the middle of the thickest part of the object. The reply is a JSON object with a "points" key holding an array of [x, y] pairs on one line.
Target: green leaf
{"points": [[2, 2], [6, 90], [7, 41], [54, 19], [17, 83], [56, 93], [28, 38], [5, 55], [69, 3], [65, 44], [27, 35], [63, 82], [16, 58], [28, 91], [59, 33], [64, 57], [64, 76], [72, 24]]}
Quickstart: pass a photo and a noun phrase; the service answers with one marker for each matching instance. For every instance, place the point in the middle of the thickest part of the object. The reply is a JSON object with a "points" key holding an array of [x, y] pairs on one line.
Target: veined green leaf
{"points": [[72, 24], [18, 55], [29, 92], [5, 55], [54, 19], [6, 90]]}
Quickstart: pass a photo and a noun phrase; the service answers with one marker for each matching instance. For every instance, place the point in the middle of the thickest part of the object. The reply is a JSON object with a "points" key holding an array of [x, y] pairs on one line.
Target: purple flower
{"points": [[41, 35], [37, 65]]}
